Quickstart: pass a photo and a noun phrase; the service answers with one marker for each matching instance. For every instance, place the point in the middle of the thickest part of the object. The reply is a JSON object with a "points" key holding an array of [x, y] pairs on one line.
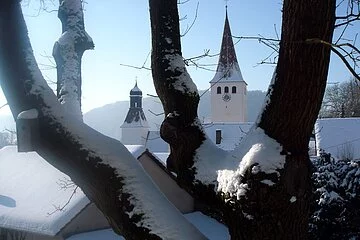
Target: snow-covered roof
{"points": [[107, 234], [136, 150], [31, 191], [135, 119], [228, 74], [211, 228], [231, 133], [338, 136]]}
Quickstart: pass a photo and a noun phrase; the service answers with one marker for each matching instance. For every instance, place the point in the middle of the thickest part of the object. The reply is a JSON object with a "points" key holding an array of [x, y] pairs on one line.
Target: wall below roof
{"points": [[176, 195], [89, 219]]}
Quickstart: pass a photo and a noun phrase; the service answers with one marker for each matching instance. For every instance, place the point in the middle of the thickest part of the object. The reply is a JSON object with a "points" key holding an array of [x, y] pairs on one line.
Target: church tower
{"points": [[228, 88], [135, 127]]}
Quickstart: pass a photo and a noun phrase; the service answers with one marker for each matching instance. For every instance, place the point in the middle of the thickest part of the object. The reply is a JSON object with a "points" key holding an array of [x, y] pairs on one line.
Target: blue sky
{"points": [[121, 33]]}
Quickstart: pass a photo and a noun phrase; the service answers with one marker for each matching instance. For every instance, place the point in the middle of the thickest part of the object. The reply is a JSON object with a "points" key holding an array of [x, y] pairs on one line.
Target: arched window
{"points": [[218, 90], [226, 89], [233, 89]]}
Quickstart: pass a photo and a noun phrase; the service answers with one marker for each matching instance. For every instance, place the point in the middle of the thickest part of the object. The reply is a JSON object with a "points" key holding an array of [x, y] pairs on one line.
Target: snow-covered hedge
{"points": [[336, 209]]}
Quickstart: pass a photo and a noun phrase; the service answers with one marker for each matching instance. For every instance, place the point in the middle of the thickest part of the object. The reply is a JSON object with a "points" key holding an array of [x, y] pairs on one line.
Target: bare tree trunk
{"points": [[295, 95], [175, 89], [67, 52]]}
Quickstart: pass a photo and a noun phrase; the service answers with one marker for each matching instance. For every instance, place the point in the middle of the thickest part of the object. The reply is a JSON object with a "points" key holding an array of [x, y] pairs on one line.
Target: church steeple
{"points": [[135, 126], [228, 88], [228, 67]]}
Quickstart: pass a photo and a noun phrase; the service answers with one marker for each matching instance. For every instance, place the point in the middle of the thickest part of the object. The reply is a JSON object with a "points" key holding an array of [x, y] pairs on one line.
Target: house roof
{"points": [[211, 228], [338, 136], [31, 190]]}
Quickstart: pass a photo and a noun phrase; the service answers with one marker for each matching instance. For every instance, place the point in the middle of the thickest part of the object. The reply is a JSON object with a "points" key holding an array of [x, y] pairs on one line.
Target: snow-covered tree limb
{"points": [[107, 173], [67, 52]]}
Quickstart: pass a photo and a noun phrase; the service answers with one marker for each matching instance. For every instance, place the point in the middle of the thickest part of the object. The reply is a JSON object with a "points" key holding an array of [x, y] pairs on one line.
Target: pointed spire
{"points": [[228, 65], [227, 52]]}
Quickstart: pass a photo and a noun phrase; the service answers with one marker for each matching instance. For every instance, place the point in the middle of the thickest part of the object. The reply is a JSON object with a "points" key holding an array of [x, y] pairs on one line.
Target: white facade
{"points": [[134, 135], [229, 106]]}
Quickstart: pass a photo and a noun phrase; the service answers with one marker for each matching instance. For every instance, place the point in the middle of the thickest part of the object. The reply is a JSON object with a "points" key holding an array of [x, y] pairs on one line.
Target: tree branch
{"points": [[107, 173]]}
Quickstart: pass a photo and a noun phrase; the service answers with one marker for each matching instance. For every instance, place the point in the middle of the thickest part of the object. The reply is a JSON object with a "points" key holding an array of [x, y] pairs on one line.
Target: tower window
{"points": [[136, 104], [226, 89], [218, 90], [233, 89]]}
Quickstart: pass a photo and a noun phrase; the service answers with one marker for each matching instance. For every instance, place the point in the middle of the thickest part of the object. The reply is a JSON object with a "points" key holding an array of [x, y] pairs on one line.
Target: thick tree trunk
{"points": [[67, 52], [177, 92], [294, 100], [263, 211]]}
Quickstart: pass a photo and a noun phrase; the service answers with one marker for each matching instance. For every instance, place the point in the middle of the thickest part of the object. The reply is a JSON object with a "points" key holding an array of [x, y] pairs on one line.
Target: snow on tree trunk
{"points": [[280, 210], [175, 88], [104, 169], [67, 52], [262, 189]]}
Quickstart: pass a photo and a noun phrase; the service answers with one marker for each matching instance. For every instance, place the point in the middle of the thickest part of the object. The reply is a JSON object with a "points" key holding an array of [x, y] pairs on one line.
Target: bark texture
{"points": [[180, 127], [295, 96]]}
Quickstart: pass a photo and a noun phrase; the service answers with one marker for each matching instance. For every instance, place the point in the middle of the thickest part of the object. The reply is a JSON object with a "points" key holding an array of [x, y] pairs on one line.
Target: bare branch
{"points": [[3, 105], [188, 28], [350, 54], [61, 208], [156, 114]]}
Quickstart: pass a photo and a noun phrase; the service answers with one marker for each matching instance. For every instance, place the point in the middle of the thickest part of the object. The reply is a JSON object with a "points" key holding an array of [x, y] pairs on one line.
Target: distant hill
{"points": [[107, 119]]}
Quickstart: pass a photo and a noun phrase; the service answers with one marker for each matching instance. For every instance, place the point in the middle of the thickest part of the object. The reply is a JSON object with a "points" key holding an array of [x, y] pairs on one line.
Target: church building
{"points": [[135, 127], [228, 106], [228, 88]]}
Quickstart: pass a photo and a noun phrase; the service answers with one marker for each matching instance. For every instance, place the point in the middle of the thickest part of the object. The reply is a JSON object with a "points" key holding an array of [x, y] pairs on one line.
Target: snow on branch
{"points": [[132, 203]]}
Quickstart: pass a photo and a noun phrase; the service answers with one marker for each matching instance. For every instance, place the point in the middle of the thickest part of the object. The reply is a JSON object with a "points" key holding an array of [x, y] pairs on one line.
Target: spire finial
{"points": [[135, 80]]}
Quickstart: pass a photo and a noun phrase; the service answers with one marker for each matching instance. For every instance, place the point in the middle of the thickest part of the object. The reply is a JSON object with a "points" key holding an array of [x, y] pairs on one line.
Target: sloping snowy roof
{"points": [[338, 136], [136, 150], [211, 228], [231, 133], [30, 192], [135, 118]]}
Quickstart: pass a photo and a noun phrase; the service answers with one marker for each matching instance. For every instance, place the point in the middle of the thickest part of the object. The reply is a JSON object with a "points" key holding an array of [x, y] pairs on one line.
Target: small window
{"points": [[226, 90], [233, 89], [218, 90]]}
